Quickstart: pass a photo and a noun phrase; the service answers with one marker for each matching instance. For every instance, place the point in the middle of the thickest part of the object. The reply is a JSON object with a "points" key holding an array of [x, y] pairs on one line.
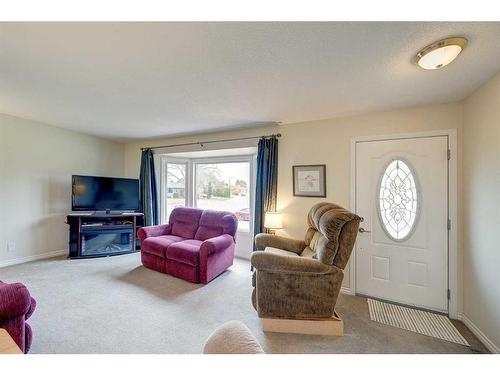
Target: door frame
{"points": [[454, 257]]}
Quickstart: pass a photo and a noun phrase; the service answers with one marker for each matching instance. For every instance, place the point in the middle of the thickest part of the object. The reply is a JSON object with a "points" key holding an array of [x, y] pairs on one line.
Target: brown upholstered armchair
{"points": [[302, 279]]}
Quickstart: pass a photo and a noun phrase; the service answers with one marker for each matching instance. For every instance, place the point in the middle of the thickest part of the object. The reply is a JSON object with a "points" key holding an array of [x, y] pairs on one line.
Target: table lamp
{"points": [[272, 221]]}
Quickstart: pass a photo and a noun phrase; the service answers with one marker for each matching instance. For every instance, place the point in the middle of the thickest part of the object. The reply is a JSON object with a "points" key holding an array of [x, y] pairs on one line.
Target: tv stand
{"points": [[103, 234]]}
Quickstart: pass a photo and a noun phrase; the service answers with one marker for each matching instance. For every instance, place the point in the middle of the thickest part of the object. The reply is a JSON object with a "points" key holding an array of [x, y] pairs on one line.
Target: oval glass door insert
{"points": [[398, 200]]}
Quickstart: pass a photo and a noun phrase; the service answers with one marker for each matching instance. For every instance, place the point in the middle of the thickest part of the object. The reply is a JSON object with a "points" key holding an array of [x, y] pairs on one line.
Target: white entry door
{"points": [[402, 247]]}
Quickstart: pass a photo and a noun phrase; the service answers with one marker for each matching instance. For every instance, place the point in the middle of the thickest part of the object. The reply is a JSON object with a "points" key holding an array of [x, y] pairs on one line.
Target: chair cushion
{"points": [[216, 223], [307, 252], [277, 251], [187, 251], [158, 245], [185, 221]]}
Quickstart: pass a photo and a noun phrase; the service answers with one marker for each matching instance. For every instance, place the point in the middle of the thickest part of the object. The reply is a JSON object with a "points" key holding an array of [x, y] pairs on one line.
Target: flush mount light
{"points": [[440, 53]]}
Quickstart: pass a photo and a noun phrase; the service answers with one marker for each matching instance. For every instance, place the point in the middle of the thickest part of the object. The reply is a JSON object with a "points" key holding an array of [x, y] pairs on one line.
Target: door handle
{"points": [[363, 230]]}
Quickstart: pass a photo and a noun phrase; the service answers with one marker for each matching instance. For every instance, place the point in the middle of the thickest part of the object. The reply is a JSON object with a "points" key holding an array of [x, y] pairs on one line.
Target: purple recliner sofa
{"points": [[16, 306], [196, 245]]}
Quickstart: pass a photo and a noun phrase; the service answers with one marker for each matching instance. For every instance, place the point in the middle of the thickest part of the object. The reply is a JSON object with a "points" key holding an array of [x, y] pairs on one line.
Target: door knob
{"points": [[363, 230]]}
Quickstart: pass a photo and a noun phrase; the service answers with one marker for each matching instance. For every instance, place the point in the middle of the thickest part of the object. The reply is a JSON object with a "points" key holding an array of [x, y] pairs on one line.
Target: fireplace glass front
{"points": [[104, 242]]}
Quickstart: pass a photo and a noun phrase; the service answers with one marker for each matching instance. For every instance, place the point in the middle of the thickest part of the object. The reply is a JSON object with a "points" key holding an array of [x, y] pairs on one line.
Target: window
{"points": [[175, 186], [225, 186], [218, 183], [398, 200]]}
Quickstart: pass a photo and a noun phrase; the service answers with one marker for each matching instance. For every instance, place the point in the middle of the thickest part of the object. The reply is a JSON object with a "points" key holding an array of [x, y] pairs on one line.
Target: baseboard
{"points": [[31, 258], [479, 334], [346, 290]]}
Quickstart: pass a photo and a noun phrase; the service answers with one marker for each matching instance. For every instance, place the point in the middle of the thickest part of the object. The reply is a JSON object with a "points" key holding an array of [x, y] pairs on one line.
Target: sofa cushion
{"points": [[158, 245], [187, 251], [184, 221], [215, 223]]}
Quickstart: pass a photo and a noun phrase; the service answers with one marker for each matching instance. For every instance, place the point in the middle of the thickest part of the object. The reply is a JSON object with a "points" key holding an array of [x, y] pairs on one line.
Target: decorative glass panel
{"points": [[398, 200]]}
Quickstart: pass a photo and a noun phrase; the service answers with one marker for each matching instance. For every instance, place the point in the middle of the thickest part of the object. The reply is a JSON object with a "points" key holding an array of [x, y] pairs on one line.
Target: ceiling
{"points": [[140, 80]]}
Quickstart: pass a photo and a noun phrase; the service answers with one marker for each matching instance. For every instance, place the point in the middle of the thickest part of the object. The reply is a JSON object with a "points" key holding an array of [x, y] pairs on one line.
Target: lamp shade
{"points": [[273, 220], [441, 53]]}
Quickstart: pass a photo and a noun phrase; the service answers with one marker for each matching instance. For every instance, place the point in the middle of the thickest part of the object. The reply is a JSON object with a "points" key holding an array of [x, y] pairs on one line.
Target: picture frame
{"points": [[309, 180]]}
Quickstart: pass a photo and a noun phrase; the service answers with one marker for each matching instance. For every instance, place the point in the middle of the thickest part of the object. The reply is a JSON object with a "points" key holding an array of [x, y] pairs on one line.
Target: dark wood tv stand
{"points": [[103, 234]]}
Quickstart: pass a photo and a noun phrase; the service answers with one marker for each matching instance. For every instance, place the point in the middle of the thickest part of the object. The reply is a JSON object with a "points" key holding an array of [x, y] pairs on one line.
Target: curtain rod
{"points": [[213, 141]]}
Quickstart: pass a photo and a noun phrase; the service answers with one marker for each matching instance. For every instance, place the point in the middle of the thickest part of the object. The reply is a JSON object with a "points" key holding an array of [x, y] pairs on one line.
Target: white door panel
{"points": [[413, 269]]}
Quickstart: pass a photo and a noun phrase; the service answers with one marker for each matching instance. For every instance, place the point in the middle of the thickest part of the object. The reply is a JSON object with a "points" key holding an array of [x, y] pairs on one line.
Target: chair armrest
{"points": [[15, 300], [264, 261], [153, 231], [263, 240], [215, 244]]}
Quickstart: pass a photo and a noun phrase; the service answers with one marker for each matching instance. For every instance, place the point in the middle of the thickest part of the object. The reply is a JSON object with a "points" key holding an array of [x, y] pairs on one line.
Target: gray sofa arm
{"points": [[263, 240], [264, 261]]}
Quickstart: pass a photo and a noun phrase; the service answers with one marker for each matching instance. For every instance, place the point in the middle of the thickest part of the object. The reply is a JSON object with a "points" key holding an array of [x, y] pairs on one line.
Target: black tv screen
{"points": [[91, 193]]}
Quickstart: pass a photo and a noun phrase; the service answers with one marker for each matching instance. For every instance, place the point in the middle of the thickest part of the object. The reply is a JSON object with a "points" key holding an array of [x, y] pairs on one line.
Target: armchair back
{"points": [[331, 234], [184, 221], [216, 223], [199, 224]]}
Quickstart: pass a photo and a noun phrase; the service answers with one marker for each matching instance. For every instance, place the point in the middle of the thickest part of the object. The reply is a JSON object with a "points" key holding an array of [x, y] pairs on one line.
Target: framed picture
{"points": [[309, 180]]}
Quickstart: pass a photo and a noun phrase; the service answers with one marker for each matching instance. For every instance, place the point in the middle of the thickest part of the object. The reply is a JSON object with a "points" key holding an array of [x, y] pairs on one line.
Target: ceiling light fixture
{"points": [[440, 53]]}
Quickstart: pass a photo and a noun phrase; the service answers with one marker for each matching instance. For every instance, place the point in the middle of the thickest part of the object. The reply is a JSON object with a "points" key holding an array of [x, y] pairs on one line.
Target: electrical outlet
{"points": [[11, 247]]}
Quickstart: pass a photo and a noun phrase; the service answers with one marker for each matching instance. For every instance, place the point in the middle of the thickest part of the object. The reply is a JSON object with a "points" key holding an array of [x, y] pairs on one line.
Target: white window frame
{"points": [[165, 160], [191, 180]]}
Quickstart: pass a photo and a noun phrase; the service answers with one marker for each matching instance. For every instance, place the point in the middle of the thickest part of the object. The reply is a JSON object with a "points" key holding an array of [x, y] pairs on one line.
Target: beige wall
{"points": [[36, 164], [481, 188], [322, 142]]}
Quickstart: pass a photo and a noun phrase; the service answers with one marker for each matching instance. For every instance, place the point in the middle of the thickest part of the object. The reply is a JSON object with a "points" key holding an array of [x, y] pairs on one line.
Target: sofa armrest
{"points": [[153, 231], [264, 261], [263, 240], [15, 300], [215, 244]]}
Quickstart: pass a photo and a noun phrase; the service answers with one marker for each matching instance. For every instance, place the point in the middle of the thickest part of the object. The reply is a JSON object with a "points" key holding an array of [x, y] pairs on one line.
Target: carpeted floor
{"points": [[115, 305]]}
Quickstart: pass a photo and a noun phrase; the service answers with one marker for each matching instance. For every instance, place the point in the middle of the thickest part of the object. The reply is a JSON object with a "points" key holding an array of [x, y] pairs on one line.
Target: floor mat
{"points": [[424, 322]]}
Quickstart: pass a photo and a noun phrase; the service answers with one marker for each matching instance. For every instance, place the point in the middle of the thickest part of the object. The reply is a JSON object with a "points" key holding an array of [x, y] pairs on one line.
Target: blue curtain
{"points": [[267, 181], [149, 198]]}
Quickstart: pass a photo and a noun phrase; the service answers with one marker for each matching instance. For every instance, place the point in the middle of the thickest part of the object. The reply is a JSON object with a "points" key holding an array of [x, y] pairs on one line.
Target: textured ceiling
{"points": [[140, 80]]}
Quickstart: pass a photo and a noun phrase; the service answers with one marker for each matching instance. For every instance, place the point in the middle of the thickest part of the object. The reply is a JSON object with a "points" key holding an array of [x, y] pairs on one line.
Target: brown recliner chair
{"points": [[302, 279]]}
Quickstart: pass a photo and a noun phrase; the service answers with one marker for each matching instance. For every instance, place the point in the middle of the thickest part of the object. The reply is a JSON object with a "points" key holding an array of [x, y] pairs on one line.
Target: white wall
{"points": [[36, 164], [481, 186], [321, 142]]}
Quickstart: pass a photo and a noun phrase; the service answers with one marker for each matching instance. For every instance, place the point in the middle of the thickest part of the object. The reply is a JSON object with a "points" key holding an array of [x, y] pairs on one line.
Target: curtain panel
{"points": [[266, 182], [149, 199]]}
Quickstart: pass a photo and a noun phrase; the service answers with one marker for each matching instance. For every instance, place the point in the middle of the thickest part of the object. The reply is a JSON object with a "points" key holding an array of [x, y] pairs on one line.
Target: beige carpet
{"points": [[114, 305]]}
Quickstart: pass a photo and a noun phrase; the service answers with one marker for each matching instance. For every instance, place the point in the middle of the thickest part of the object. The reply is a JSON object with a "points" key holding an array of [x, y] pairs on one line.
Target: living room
{"points": [[251, 187]]}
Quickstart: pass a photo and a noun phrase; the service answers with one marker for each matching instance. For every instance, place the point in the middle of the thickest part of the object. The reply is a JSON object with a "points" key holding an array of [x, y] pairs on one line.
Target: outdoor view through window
{"points": [[219, 186]]}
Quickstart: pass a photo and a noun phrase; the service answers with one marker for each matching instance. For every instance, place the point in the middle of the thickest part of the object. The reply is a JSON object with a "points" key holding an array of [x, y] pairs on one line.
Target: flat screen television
{"points": [[92, 193]]}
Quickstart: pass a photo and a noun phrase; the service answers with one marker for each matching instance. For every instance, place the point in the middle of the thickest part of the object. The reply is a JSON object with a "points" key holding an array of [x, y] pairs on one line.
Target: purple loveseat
{"points": [[16, 306], [196, 245]]}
